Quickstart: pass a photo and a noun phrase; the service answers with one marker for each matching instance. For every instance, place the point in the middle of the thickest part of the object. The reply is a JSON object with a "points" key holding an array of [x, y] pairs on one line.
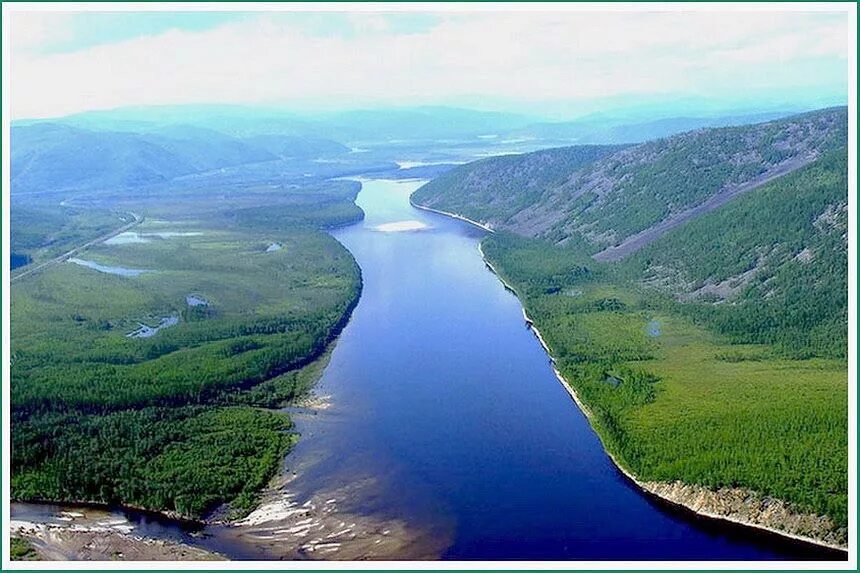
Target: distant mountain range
{"points": [[132, 147], [414, 123], [380, 125], [58, 156], [602, 130]]}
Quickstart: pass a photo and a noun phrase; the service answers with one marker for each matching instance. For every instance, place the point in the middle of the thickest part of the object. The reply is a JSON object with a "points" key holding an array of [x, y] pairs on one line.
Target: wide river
{"points": [[444, 415], [445, 399]]}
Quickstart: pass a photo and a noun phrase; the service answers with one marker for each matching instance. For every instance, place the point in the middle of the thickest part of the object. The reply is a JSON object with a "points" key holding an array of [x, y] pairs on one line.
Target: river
{"points": [[444, 414], [442, 395]]}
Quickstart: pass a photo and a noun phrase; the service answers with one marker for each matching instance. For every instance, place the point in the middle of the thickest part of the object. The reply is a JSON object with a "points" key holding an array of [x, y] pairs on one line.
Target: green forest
{"points": [[746, 391], [43, 232], [791, 238], [668, 175], [180, 421]]}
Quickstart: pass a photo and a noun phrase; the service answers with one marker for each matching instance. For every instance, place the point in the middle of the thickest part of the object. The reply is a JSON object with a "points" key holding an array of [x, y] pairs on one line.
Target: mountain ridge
{"points": [[603, 202]]}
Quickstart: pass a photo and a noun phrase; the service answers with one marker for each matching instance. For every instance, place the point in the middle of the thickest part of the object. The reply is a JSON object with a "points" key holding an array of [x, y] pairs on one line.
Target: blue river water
{"points": [[444, 409], [442, 395]]}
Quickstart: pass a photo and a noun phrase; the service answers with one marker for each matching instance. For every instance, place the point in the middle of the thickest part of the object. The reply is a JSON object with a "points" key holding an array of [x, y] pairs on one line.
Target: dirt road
{"points": [[137, 220]]}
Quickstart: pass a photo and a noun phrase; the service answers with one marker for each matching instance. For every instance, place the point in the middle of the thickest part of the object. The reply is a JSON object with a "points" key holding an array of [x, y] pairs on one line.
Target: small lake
{"points": [[134, 237], [18, 260], [120, 271], [146, 331], [196, 300]]}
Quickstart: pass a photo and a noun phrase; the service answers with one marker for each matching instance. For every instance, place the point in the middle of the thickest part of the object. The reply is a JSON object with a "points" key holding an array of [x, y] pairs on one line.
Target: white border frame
{"points": [[850, 9]]}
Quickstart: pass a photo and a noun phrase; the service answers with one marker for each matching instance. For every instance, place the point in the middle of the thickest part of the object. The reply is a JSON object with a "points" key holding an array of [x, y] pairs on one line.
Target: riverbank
{"points": [[737, 506], [288, 523], [314, 520], [453, 216], [311, 367], [86, 533]]}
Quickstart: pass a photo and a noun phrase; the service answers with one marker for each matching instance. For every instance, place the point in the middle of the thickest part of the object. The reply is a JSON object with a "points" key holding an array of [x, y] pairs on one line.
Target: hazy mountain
{"points": [[422, 123], [609, 130], [56, 156], [205, 149], [357, 125], [292, 147], [53, 156]]}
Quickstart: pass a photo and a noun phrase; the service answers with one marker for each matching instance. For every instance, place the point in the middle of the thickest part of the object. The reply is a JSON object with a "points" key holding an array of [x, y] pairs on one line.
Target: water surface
{"points": [[146, 331], [445, 400], [120, 271], [442, 411]]}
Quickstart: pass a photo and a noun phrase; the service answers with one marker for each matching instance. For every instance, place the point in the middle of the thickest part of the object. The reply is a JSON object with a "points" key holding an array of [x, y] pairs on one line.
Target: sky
{"points": [[525, 61]]}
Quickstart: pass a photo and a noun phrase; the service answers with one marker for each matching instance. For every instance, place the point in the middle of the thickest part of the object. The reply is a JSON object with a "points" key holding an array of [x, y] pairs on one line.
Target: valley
{"points": [[245, 350], [742, 387]]}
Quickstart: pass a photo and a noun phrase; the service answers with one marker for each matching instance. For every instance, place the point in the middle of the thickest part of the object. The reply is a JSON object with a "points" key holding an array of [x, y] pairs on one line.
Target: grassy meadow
{"points": [[42, 233]]}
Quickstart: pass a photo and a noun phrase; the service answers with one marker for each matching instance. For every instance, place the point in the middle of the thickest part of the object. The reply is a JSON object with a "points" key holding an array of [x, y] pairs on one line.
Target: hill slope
{"points": [[496, 189], [770, 267], [711, 361], [621, 201]]}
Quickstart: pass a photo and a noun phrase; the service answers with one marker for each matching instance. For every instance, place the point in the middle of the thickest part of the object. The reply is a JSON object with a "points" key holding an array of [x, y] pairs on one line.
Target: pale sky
{"points": [[65, 62]]}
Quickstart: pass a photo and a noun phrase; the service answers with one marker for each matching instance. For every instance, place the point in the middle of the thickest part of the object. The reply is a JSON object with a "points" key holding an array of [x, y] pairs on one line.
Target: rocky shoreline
{"points": [[86, 533], [738, 506]]}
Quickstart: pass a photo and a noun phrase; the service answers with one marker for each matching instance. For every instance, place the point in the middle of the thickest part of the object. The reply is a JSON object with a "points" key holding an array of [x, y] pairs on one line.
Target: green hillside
{"points": [[598, 197], [715, 352], [770, 267], [673, 399], [498, 188]]}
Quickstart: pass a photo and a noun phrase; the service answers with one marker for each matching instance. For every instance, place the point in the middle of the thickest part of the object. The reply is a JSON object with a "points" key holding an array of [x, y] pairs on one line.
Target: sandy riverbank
{"points": [[401, 226], [324, 526], [288, 524], [100, 535]]}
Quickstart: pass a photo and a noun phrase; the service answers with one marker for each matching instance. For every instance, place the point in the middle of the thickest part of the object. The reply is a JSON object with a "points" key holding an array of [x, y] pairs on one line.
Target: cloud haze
{"points": [[357, 59]]}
